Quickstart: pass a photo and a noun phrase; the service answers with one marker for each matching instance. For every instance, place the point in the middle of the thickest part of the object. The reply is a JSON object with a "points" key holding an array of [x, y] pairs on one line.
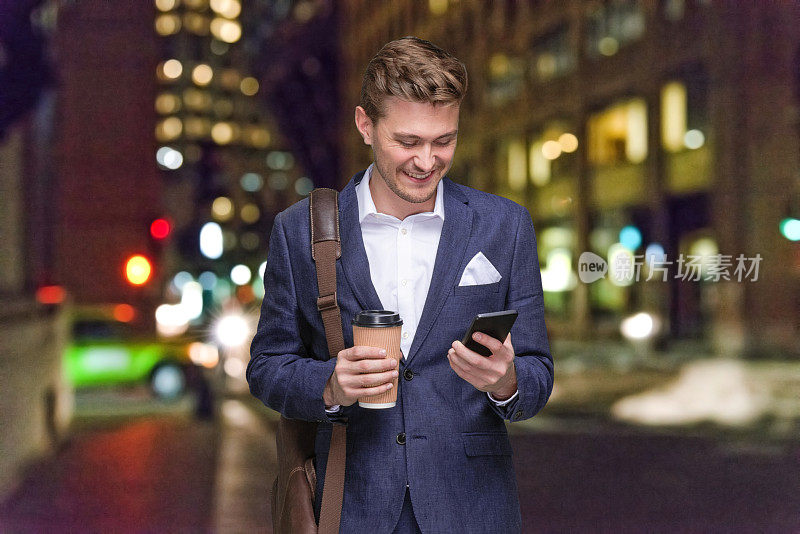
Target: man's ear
{"points": [[364, 125]]}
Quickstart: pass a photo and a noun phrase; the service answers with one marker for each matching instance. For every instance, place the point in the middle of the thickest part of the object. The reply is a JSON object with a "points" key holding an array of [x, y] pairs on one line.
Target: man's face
{"points": [[413, 145]]}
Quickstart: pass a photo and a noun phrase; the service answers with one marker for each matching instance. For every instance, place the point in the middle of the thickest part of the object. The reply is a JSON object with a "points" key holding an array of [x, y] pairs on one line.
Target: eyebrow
{"points": [[404, 135]]}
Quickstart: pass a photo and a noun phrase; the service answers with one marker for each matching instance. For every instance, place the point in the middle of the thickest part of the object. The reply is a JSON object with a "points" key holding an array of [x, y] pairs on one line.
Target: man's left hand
{"points": [[494, 374]]}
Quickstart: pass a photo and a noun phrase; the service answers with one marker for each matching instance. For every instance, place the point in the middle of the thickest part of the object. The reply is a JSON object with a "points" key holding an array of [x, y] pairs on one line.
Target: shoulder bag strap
{"points": [[325, 249]]}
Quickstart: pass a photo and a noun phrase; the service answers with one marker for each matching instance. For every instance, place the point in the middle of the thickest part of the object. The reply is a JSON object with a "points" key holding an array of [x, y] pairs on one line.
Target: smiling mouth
{"points": [[417, 176]]}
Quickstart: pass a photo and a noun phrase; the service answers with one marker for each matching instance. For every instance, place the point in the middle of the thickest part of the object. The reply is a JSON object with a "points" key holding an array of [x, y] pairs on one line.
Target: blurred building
{"points": [[108, 189], [35, 400], [162, 142], [226, 169], [659, 135]]}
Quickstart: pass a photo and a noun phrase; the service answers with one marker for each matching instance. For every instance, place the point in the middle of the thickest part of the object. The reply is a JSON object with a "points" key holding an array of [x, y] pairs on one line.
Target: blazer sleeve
{"points": [[533, 362], [281, 372]]}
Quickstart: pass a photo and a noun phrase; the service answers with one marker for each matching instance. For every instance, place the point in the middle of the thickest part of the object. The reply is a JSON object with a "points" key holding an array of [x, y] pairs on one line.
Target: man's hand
{"points": [[360, 372], [495, 374]]}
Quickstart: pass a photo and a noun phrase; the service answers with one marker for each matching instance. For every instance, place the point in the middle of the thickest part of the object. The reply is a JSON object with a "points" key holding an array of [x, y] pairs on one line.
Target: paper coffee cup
{"points": [[379, 328]]}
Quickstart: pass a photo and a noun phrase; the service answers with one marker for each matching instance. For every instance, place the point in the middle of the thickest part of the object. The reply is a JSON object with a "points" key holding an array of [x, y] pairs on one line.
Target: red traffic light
{"points": [[160, 229]]}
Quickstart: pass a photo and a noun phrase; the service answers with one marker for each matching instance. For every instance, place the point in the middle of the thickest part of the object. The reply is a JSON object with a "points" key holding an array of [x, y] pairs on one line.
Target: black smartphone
{"points": [[495, 324]]}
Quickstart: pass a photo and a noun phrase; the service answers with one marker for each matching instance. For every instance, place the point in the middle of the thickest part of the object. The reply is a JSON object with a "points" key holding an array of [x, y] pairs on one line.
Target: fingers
{"points": [[364, 385], [369, 392], [494, 345], [470, 357], [361, 352], [459, 366]]}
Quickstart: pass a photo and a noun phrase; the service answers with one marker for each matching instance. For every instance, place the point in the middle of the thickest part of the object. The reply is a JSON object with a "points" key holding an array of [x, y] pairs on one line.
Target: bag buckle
{"points": [[326, 302]]}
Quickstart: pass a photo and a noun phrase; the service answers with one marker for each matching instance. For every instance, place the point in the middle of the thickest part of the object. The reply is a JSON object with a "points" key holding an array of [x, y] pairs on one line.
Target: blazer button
{"points": [[408, 374], [518, 414], [401, 438]]}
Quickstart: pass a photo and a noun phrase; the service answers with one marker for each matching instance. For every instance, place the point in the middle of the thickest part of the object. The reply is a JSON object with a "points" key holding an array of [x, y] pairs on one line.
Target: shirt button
{"points": [[408, 374], [404, 231], [401, 438], [404, 282], [518, 414], [405, 335]]}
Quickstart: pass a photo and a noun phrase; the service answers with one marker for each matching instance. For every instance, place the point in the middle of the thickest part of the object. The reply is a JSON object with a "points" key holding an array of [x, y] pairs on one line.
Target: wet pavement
{"points": [[151, 466], [626, 481], [144, 475]]}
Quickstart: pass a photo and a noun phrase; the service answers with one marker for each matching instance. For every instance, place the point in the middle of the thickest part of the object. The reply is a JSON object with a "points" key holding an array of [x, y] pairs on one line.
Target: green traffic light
{"points": [[790, 228]]}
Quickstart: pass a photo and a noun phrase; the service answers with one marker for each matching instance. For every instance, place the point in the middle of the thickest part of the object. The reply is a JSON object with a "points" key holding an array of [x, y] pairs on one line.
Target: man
{"points": [[438, 253]]}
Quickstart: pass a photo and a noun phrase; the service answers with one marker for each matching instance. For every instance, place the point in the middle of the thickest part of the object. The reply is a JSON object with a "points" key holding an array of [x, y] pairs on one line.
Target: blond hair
{"points": [[414, 70]]}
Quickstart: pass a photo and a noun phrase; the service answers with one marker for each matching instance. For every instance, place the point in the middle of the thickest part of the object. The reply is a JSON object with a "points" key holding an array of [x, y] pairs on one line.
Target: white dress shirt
{"points": [[401, 256]]}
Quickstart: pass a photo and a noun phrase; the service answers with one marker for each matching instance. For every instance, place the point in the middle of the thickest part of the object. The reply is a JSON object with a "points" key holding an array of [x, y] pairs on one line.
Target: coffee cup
{"points": [[379, 328]]}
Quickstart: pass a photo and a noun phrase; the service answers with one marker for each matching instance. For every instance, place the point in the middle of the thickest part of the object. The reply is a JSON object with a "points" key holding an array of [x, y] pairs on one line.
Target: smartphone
{"points": [[495, 324]]}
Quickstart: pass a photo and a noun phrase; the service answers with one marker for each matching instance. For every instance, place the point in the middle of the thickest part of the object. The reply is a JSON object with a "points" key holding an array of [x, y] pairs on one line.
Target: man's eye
{"points": [[444, 143], [407, 145]]}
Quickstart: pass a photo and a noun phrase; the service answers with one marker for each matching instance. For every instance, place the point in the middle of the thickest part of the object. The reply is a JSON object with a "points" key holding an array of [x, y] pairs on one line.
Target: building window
{"points": [[618, 134], [506, 79], [552, 153], [684, 118], [553, 55], [611, 25]]}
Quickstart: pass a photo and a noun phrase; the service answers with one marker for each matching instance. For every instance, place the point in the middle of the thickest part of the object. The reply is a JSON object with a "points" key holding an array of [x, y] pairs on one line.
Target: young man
{"points": [[437, 253]]}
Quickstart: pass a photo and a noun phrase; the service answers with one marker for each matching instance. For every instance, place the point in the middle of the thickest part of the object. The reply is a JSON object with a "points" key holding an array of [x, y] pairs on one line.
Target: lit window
{"points": [[169, 129], [548, 152], [673, 116], [517, 165], [224, 132], [249, 86], [506, 78], [553, 55], [619, 133], [613, 24], [227, 8], [167, 103], [166, 5], [202, 74], [437, 7], [168, 24], [225, 30], [170, 70]]}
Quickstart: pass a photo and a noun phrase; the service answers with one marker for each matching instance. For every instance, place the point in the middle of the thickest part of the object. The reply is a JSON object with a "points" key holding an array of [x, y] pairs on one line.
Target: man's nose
{"points": [[425, 159]]}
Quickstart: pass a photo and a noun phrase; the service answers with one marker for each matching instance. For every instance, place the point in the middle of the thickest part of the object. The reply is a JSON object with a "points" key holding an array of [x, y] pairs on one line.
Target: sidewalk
{"points": [[245, 468]]}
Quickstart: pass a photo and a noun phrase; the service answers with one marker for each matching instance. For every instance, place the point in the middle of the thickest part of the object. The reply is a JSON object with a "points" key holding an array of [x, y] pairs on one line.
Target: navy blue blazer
{"points": [[454, 452]]}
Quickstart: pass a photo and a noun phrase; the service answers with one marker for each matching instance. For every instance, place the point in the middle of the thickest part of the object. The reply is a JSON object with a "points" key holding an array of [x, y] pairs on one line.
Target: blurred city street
{"points": [[135, 464], [148, 147]]}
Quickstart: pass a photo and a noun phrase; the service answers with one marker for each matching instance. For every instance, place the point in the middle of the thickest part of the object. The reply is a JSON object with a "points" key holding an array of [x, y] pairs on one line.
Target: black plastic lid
{"points": [[377, 318]]}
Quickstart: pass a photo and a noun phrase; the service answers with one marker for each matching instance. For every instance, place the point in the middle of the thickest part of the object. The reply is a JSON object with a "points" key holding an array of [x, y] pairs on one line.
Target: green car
{"points": [[105, 351]]}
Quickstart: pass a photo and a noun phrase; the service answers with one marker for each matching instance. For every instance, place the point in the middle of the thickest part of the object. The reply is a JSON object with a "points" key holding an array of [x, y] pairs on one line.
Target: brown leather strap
{"points": [[325, 248]]}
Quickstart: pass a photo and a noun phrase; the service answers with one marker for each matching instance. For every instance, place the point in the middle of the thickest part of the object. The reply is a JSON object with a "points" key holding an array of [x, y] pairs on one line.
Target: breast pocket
{"points": [[480, 289]]}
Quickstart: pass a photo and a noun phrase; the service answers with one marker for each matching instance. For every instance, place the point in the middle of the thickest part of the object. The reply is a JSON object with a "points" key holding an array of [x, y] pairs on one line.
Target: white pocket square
{"points": [[479, 271]]}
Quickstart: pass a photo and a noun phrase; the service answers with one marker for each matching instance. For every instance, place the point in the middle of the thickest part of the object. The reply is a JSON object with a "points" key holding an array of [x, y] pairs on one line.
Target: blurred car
{"points": [[107, 349]]}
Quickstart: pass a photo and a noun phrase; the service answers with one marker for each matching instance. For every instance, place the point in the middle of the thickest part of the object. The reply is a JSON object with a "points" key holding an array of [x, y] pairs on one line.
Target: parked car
{"points": [[106, 350]]}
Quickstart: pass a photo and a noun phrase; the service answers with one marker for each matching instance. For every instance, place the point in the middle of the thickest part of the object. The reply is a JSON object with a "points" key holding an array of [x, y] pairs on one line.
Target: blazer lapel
{"points": [[452, 246], [354, 262]]}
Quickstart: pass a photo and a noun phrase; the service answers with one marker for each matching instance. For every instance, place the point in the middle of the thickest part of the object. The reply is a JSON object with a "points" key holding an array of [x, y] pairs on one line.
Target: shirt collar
{"points": [[366, 206]]}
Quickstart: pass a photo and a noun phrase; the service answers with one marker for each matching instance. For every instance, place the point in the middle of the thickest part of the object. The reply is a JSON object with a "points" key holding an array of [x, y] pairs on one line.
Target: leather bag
{"points": [[292, 500]]}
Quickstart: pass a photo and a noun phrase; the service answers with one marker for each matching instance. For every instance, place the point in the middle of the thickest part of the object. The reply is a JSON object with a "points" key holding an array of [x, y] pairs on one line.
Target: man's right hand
{"points": [[360, 372]]}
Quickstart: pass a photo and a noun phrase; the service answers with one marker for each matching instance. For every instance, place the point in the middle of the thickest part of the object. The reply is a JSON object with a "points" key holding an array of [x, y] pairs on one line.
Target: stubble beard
{"points": [[405, 195]]}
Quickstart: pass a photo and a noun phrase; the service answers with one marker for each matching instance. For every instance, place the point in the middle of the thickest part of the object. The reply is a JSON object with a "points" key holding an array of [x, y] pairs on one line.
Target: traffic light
{"points": [[160, 229], [138, 270]]}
